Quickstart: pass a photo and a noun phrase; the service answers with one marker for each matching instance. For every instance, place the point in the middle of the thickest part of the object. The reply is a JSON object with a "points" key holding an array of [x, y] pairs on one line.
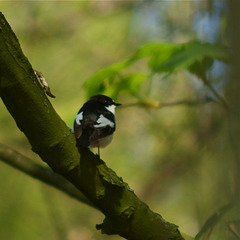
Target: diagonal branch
{"points": [[26, 165], [51, 139]]}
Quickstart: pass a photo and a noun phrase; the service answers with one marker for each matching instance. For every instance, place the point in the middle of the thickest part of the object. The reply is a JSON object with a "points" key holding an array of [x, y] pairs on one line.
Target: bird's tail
{"points": [[84, 138]]}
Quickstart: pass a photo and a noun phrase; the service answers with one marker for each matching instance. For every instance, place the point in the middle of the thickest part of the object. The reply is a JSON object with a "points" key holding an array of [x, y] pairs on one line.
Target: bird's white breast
{"points": [[102, 142]]}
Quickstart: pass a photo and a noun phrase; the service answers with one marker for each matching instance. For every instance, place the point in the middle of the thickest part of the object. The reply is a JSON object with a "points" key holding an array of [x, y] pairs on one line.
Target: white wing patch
{"points": [[79, 118], [111, 108], [103, 122]]}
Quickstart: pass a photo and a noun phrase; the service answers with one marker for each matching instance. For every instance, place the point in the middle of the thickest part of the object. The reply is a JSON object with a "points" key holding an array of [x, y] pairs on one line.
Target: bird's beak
{"points": [[117, 104]]}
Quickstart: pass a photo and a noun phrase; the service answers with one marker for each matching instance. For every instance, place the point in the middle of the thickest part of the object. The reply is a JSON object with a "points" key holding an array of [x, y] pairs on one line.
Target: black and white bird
{"points": [[94, 124]]}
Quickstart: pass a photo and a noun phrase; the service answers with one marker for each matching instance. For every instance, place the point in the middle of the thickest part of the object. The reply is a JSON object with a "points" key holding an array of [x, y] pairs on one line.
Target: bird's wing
{"points": [[77, 130]]}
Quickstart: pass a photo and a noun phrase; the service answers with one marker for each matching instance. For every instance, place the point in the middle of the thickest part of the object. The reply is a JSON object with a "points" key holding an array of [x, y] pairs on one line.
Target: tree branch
{"points": [[51, 139], [26, 165], [157, 104]]}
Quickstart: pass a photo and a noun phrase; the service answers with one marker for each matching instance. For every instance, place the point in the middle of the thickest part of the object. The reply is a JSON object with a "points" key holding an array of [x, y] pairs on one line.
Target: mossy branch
{"points": [[44, 174], [51, 139]]}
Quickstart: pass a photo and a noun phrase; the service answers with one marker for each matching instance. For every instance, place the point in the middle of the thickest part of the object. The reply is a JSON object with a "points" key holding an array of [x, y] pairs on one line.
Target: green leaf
{"points": [[133, 82], [102, 79], [158, 53], [130, 84], [195, 57]]}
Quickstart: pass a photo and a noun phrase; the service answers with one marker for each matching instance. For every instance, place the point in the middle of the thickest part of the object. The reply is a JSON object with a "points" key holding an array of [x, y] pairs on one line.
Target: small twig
{"points": [[219, 97], [214, 92], [234, 229], [43, 81], [213, 220], [157, 104], [39, 172], [189, 102]]}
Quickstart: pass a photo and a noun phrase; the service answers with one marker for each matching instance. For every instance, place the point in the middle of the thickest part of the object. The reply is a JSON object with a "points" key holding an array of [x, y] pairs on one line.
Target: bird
{"points": [[94, 124]]}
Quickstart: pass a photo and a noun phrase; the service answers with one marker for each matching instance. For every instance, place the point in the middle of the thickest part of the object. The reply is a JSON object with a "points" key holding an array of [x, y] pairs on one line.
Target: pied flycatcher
{"points": [[94, 124]]}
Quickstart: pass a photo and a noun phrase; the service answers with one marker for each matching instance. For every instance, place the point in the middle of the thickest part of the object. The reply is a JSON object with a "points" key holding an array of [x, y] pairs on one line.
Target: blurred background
{"points": [[178, 159]]}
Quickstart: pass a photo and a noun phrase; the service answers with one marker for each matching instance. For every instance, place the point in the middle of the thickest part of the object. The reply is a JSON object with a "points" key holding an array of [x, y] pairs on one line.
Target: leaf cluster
{"points": [[162, 58]]}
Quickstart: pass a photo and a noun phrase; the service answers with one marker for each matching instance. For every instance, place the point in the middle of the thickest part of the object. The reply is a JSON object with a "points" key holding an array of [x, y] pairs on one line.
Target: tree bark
{"points": [[51, 139]]}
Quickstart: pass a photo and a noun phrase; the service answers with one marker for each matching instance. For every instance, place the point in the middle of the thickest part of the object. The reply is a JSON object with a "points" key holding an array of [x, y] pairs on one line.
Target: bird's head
{"points": [[108, 103]]}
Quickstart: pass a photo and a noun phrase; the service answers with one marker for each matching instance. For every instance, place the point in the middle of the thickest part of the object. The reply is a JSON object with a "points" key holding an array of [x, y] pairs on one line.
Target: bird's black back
{"points": [[86, 132]]}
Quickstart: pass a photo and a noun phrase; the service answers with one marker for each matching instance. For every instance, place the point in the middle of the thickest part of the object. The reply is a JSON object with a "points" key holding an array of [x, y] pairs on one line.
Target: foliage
{"points": [[195, 57]]}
